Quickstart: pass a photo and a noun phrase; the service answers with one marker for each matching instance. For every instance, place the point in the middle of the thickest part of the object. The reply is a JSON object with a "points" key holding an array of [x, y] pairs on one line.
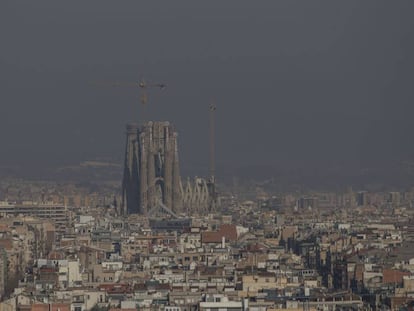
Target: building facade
{"points": [[151, 169]]}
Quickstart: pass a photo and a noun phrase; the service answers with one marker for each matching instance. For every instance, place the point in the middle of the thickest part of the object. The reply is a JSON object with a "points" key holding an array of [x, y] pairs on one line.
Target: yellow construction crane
{"points": [[212, 109], [213, 203], [143, 85]]}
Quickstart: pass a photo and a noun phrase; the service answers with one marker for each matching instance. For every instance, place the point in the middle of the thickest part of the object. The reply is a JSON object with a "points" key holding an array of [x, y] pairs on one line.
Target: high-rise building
{"points": [[307, 203], [151, 172], [394, 198], [56, 213], [362, 198]]}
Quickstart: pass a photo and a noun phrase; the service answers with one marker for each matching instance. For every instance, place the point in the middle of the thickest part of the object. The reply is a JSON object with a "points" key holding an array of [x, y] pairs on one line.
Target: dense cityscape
{"points": [[156, 242], [206, 156]]}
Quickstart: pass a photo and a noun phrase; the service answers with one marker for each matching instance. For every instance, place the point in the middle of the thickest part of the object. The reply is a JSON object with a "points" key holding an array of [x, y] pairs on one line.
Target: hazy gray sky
{"points": [[295, 82]]}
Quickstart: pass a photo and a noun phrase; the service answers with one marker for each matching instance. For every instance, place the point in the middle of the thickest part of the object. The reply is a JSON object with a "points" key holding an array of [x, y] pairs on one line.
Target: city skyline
{"points": [[296, 85], [206, 156]]}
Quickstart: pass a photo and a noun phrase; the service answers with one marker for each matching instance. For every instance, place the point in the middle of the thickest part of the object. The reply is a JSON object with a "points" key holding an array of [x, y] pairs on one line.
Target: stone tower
{"points": [[151, 171]]}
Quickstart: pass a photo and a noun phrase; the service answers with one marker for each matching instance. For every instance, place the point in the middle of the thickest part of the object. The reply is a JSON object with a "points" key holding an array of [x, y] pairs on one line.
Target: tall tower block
{"points": [[151, 172]]}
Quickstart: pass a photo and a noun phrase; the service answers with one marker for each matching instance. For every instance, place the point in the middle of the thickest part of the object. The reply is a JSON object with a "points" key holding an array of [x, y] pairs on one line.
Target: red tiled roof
{"points": [[51, 307], [56, 255], [40, 307], [6, 243], [4, 227], [393, 276], [211, 237], [229, 232]]}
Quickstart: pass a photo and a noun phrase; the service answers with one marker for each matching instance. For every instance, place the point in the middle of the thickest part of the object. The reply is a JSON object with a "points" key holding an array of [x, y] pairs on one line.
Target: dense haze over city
{"points": [[301, 87], [206, 156]]}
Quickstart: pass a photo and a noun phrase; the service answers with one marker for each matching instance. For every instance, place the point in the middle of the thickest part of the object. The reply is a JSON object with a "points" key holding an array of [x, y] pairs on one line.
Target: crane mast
{"points": [[213, 197], [212, 143]]}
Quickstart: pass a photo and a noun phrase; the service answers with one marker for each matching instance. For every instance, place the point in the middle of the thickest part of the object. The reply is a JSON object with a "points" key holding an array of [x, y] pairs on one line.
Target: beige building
{"points": [[255, 283]]}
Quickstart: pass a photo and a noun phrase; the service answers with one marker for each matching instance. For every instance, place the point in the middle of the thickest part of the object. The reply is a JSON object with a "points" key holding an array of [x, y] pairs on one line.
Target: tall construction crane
{"points": [[212, 204], [212, 142], [143, 85]]}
